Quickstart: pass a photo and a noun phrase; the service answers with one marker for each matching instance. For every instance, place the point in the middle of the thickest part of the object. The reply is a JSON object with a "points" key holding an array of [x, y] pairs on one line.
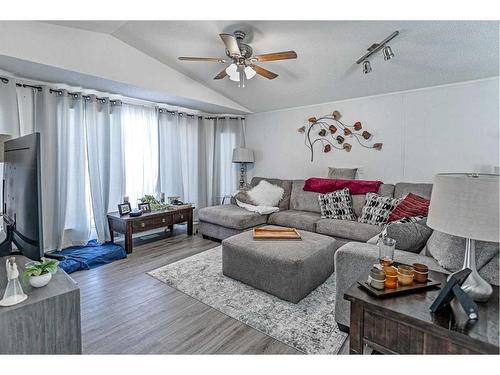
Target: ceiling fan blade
{"points": [[264, 72], [286, 55], [221, 75], [231, 44], [212, 59]]}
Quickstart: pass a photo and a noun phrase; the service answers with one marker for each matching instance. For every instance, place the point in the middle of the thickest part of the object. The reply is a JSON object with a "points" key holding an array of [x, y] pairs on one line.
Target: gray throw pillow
{"points": [[410, 236], [243, 197], [449, 251], [342, 173]]}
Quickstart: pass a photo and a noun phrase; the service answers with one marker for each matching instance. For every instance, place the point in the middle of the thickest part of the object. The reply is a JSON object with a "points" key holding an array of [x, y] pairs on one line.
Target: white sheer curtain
{"points": [[196, 157], [105, 160], [94, 153], [228, 135], [170, 154], [140, 148], [60, 120]]}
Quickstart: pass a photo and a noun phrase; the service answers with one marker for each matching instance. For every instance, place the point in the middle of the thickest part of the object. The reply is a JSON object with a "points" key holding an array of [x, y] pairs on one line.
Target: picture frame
{"points": [[144, 207], [124, 208]]}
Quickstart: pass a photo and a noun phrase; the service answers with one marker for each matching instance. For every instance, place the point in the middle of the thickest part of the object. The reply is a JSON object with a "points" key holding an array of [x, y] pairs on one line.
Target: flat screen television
{"points": [[22, 210]]}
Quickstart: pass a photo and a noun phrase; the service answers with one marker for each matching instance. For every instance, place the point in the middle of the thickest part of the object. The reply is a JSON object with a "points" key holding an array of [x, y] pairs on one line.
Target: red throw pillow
{"points": [[411, 205]]}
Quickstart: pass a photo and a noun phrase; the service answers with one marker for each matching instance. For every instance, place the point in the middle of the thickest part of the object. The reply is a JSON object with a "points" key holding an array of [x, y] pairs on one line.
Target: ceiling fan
{"points": [[242, 63]]}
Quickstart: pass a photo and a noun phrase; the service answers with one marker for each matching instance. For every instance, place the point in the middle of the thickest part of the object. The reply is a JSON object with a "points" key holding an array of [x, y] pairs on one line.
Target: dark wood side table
{"points": [[149, 220], [405, 325]]}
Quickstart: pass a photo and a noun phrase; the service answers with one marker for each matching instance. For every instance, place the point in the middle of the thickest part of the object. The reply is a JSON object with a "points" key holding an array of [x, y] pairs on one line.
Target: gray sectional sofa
{"points": [[353, 257], [299, 209]]}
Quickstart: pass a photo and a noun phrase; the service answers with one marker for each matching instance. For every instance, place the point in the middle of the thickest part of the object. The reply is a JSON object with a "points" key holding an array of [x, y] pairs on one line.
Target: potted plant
{"points": [[40, 273]]}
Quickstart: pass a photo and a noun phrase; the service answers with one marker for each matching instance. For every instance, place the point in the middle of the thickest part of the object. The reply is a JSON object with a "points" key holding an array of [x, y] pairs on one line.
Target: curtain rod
{"points": [[181, 114], [118, 102]]}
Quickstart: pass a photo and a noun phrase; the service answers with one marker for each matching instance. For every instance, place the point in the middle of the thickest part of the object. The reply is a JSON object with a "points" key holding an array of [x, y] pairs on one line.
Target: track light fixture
{"points": [[387, 52], [367, 67], [374, 48]]}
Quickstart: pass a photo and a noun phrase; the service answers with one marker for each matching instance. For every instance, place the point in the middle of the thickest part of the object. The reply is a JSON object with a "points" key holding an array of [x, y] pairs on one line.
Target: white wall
{"points": [[453, 128], [101, 55]]}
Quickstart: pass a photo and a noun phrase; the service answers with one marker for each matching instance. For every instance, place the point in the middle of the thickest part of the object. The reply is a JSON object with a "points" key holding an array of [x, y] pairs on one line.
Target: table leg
{"points": [[356, 329], [128, 239], [190, 225]]}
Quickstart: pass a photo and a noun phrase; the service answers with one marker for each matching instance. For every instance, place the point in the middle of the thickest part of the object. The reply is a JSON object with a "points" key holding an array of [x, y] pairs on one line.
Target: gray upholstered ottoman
{"points": [[289, 270]]}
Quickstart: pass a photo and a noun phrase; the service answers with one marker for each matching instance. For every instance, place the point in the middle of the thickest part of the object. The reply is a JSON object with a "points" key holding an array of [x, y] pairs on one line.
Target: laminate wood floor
{"points": [[126, 311]]}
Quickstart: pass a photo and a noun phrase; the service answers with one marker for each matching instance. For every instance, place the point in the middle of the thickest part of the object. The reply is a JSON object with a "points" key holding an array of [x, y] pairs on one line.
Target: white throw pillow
{"points": [[266, 194]]}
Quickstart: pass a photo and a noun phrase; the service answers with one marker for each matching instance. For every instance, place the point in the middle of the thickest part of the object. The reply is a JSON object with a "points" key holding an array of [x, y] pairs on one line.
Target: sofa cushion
{"points": [[412, 205], [377, 209], [303, 200], [231, 216], [358, 201], [295, 219], [342, 173], [403, 188], [351, 230], [285, 184], [337, 205], [490, 271], [410, 236], [449, 251]]}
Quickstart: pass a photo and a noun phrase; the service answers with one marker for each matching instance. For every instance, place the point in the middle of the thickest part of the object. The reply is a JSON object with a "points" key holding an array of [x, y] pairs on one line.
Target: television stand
{"points": [[48, 322]]}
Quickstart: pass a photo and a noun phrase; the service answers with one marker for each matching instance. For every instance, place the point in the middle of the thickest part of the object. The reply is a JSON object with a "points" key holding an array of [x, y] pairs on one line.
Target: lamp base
{"points": [[475, 286]]}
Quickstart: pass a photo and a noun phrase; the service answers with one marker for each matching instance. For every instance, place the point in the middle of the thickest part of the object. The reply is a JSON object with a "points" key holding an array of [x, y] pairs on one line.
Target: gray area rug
{"points": [[308, 326]]}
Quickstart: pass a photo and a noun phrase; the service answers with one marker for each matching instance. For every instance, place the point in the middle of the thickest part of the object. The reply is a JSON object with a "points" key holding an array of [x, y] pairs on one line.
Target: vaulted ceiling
{"points": [[427, 53]]}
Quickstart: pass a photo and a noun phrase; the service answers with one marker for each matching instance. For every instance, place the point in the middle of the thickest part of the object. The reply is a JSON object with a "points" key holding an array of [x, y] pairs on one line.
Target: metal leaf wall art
{"points": [[332, 133]]}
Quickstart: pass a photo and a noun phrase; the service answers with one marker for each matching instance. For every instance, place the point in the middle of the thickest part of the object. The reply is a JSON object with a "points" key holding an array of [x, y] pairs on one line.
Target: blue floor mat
{"points": [[90, 256]]}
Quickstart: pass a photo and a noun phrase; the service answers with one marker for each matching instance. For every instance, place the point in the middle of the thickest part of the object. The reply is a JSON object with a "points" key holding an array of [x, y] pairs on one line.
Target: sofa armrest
{"points": [[353, 260]]}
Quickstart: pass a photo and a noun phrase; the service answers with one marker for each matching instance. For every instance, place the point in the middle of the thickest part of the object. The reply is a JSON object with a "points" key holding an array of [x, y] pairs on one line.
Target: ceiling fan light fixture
{"points": [[232, 69], [250, 72], [367, 67], [234, 77], [387, 52]]}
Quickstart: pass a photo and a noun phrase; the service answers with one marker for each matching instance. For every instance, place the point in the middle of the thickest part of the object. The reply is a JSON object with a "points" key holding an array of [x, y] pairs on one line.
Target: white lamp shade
{"points": [[465, 205], [242, 155]]}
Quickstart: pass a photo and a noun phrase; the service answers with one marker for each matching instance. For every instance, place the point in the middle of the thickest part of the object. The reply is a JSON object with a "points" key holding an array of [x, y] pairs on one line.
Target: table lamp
{"points": [[242, 156], [466, 205]]}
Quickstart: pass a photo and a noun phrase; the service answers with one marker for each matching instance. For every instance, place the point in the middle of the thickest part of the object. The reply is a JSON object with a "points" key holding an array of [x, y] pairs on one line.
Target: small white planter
{"points": [[39, 281]]}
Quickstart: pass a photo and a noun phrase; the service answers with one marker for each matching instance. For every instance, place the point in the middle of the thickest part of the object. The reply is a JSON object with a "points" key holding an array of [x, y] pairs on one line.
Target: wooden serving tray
{"points": [[276, 234], [414, 288]]}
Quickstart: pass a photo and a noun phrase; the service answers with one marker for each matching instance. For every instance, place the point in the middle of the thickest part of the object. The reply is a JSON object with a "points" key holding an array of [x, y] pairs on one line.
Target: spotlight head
{"points": [[367, 67], [387, 52]]}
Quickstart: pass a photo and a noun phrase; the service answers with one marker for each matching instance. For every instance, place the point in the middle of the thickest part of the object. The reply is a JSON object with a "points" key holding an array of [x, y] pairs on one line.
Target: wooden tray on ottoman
{"points": [[276, 234], [413, 288]]}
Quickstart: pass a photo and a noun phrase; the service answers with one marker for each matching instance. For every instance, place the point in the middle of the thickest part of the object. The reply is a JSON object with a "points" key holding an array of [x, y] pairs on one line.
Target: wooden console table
{"points": [[405, 325], [149, 220]]}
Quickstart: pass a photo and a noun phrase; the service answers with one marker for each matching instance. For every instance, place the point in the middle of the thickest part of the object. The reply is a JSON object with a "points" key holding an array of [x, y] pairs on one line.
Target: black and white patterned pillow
{"points": [[337, 205], [377, 209]]}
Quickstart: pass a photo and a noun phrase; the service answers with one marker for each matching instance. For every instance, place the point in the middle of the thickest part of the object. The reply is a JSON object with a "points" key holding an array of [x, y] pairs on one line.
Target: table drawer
{"points": [[144, 224], [180, 217], [163, 221]]}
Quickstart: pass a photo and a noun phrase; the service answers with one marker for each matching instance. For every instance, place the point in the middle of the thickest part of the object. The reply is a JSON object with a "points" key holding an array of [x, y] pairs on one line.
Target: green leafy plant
{"points": [[37, 269], [154, 203]]}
